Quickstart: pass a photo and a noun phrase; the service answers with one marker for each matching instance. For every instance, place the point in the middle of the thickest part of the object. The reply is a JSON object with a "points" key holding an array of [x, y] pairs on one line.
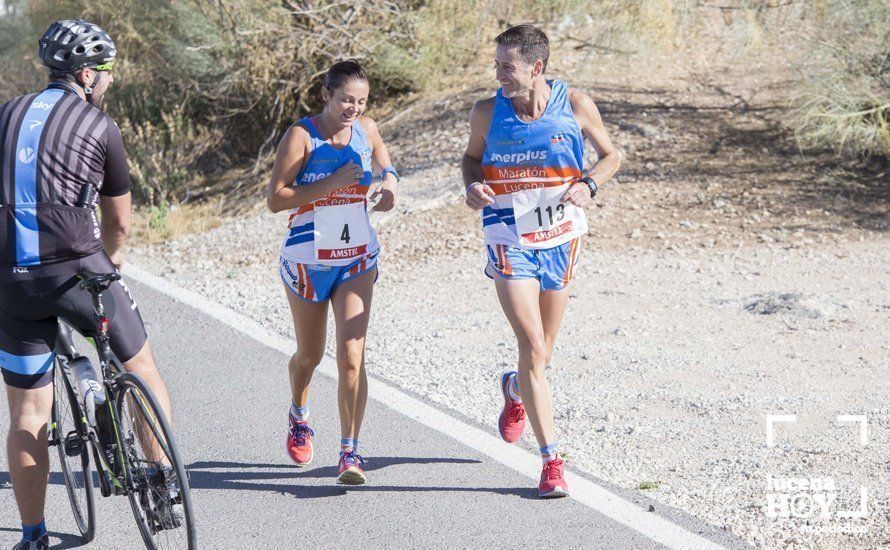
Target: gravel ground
{"points": [[668, 361]]}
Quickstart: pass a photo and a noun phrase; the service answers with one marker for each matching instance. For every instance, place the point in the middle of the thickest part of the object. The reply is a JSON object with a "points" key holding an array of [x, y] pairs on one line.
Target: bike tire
{"points": [[68, 421], [136, 404]]}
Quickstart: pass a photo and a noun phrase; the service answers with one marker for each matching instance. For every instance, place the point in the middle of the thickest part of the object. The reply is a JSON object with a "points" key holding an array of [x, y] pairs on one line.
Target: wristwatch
{"points": [[590, 185], [390, 170]]}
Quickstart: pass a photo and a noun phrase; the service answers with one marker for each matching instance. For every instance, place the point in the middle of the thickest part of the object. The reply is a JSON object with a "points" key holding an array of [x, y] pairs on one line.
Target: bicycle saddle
{"points": [[97, 281]]}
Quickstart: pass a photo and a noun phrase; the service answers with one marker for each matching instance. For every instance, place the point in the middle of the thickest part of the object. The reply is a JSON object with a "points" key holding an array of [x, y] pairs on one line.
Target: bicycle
{"points": [[131, 441]]}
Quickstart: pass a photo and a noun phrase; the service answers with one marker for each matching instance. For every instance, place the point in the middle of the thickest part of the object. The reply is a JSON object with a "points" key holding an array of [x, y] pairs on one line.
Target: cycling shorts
{"points": [[32, 299]]}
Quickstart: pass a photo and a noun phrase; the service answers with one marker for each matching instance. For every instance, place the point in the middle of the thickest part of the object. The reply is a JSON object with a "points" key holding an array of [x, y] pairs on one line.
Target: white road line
{"points": [[583, 490]]}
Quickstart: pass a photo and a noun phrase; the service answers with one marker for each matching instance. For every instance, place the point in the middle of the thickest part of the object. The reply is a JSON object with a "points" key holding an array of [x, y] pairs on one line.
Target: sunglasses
{"points": [[105, 66]]}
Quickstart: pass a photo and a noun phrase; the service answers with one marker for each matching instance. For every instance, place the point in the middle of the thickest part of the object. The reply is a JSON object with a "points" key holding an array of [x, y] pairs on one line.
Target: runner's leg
{"points": [[352, 310], [520, 300], [310, 328], [29, 412], [553, 306]]}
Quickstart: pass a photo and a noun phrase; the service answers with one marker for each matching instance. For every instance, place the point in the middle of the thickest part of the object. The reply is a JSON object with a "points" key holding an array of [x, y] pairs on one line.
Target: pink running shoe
{"points": [[512, 420], [299, 441], [553, 483], [351, 472]]}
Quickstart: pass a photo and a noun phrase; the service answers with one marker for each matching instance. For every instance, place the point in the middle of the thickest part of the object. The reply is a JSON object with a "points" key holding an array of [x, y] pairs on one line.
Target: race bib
{"points": [[342, 232], [542, 221]]}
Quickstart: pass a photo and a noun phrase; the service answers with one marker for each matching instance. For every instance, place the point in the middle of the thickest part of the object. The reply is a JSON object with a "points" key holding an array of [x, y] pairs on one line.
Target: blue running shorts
{"points": [[553, 267], [316, 282]]}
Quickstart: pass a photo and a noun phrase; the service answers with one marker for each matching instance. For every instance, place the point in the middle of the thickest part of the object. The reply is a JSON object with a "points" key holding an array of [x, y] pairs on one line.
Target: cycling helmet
{"points": [[71, 44]]}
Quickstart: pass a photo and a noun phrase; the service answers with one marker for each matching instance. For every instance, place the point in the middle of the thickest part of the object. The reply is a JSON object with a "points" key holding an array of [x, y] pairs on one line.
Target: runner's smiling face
{"points": [[346, 103], [512, 72]]}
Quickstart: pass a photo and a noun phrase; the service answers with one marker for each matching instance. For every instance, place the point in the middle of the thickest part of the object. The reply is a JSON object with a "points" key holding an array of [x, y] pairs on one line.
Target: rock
{"points": [[790, 304]]}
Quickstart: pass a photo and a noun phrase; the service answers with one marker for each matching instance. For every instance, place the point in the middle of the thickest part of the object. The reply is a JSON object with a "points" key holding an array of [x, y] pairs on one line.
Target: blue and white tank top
{"points": [[530, 165], [334, 230]]}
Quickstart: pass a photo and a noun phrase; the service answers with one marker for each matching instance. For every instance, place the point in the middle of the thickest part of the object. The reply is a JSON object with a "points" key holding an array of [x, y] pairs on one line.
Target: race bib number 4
{"points": [[341, 232], [542, 220]]}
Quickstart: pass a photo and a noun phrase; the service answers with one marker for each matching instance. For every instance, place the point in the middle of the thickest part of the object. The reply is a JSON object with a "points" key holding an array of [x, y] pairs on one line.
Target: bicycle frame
{"points": [[113, 479]]}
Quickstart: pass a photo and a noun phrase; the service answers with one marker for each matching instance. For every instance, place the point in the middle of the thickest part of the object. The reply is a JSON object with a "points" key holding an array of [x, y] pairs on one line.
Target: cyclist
{"points": [[524, 168], [323, 175], [60, 155]]}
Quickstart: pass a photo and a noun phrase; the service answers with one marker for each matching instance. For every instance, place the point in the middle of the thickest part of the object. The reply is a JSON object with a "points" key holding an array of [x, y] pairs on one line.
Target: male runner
{"points": [[58, 151], [524, 168]]}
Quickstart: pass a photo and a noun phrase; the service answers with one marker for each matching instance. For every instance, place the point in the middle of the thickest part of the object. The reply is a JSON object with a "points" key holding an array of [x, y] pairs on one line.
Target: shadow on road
{"points": [[260, 477], [64, 540]]}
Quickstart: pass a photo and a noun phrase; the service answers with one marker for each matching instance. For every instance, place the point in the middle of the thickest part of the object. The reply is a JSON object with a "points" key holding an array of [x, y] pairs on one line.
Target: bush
{"points": [[205, 84], [843, 101], [162, 157]]}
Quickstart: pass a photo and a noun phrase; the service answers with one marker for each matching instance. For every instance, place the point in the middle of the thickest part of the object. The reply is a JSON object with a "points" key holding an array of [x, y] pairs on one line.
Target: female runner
{"points": [[322, 174]]}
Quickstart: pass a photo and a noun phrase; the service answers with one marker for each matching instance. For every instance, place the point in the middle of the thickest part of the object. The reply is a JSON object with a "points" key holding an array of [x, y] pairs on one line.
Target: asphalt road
{"points": [[426, 488]]}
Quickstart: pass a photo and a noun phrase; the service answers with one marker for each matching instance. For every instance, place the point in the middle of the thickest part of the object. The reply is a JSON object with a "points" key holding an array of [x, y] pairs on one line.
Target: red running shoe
{"points": [[553, 483], [299, 441], [512, 420], [351, 472]]}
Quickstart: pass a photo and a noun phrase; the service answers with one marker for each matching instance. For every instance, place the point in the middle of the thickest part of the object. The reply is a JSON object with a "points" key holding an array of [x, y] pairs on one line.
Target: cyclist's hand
{"points": [[577, 194], [479, 196], [386, 193], [117, 259]]}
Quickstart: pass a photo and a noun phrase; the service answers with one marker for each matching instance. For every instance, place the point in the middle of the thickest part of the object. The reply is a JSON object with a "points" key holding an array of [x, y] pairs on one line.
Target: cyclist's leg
{"points": [[310, 327], [351, 303], [520, 300], [29, 411], [27, 367], [143, 365]]}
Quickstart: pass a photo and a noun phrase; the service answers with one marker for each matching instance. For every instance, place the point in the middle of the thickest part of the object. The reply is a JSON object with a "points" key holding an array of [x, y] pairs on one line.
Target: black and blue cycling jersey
{"points": [[52, 145]]}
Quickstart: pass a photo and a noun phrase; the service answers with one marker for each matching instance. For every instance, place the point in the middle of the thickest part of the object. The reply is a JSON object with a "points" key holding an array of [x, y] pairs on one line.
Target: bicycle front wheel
{"points": [[158, 486], [70, 437]]}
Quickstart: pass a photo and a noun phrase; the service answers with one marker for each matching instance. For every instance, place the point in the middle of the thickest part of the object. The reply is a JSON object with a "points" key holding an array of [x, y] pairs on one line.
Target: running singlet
{"points": [[334, 230], [55, 151], [530, 165]]}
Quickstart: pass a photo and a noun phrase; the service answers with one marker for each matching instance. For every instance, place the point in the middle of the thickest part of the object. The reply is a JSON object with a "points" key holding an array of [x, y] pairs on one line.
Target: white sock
{"points": [[513, 389], [300, 414]]}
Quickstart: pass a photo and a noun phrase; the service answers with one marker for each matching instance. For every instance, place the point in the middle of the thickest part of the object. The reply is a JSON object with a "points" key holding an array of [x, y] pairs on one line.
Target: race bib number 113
{"points": [[542, 220]]}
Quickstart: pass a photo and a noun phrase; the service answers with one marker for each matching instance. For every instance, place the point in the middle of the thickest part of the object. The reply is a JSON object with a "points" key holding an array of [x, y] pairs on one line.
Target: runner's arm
{"points": [[387, 188], [480, 195], [608, 158], [591, 123], [282, 194]]}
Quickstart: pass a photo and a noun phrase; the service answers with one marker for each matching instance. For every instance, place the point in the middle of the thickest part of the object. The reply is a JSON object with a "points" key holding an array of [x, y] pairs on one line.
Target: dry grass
{"points": [[153, 224]]}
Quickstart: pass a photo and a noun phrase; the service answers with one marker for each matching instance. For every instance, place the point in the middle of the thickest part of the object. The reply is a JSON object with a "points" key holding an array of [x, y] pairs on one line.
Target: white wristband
{"points": [[467, 191]]}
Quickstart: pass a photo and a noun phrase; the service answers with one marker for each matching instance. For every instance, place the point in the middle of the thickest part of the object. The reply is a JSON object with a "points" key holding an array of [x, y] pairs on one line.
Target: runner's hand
{"points": [[346, 175], [479, 196], [577, 194], [386, 191]]}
